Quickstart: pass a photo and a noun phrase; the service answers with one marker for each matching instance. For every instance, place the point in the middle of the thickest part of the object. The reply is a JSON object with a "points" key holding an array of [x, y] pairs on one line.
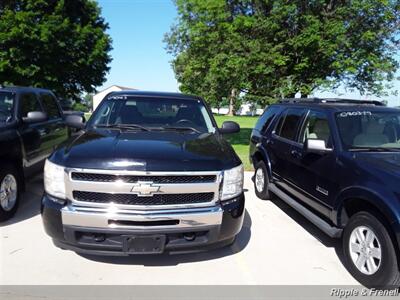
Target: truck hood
{"points": [[147, 151]]}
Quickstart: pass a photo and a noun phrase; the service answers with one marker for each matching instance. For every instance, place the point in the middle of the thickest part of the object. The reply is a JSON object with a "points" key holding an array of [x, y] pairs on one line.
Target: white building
{"points": [[114, 88]]}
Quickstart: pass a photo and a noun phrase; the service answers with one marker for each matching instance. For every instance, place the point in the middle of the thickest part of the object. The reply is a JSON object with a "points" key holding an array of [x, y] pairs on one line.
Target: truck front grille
{"points": [[132, 199], [142, 190], [94, 177]]}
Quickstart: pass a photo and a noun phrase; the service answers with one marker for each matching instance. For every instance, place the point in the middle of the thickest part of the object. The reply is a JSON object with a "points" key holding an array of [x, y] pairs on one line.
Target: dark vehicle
{"points": [[338, 163], [31, 126], [148, 173]]}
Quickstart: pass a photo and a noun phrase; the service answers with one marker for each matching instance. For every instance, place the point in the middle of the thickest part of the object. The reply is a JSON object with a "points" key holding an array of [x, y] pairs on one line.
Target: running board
{"points": [[333, 232]]}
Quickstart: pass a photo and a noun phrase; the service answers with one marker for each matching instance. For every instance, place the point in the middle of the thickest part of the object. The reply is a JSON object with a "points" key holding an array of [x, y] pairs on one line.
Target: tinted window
{"points": [[266, 118], [290, 124], [50, 106], [6, 106], [29, 102], [316, 127]]}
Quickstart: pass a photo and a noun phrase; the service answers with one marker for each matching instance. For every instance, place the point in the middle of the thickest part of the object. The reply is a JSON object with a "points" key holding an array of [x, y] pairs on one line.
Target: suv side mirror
{"points": [[75, 121], [229, 127], [35, 117], [316, 146]]}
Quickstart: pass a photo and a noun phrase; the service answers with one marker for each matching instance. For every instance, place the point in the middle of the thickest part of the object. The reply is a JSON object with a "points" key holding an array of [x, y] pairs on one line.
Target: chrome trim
{"points": [[126, 188], [100, 217]]}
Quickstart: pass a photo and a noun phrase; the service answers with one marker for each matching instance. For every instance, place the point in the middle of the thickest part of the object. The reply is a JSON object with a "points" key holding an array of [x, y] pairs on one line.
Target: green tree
{"points": [[276, 48], [57, 44]]}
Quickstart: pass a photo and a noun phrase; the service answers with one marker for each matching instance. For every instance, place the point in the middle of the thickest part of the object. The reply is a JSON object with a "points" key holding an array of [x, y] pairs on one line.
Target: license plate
{"points": [[149, 244]]}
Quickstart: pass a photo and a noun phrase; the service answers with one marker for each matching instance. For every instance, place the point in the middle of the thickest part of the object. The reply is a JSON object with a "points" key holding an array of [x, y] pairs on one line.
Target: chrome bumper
{"points": [[112, 218]]}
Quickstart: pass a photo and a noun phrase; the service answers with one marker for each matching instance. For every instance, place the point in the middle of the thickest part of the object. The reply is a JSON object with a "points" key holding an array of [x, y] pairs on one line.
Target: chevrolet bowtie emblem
{"points": [[145, 189]]}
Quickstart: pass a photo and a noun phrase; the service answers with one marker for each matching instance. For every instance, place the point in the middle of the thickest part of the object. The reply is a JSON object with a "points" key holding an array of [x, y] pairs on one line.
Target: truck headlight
{"points": [[54, 180], [232, 184]]}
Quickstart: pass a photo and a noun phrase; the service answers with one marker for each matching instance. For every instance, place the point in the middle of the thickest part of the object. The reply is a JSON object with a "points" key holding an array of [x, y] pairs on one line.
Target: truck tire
{"points": [[261, 181], [369, 252], [9, 191]]}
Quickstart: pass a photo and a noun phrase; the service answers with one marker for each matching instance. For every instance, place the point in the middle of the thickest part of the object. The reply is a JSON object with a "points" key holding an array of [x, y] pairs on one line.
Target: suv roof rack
{"points": [[331, 100]]}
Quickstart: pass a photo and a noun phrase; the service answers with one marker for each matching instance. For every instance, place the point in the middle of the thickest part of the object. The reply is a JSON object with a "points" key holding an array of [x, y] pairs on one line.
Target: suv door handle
{"points": [[295, 154]]}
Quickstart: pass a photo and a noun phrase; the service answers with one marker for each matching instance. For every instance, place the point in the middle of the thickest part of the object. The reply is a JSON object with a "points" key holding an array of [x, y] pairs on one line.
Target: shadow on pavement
{"points": [[310, 228], [29, 205], [166, 259]]}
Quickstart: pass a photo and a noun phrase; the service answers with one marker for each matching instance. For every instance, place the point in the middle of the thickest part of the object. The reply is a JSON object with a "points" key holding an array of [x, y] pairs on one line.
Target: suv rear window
{"points": [[289, 123], [266, 118]]}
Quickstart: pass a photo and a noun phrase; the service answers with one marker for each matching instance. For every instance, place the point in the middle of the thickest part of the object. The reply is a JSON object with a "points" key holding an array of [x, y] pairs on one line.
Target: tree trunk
{"points": [[232, 99]]}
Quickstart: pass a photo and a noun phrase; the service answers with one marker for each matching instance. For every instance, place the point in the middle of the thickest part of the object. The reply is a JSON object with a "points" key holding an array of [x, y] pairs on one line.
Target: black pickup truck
{"points": [[31, 126], [149, 172]]}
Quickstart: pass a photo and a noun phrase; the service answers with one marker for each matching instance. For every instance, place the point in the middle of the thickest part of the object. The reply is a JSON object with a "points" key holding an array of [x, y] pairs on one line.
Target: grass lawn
{"points": [[239, 141]]}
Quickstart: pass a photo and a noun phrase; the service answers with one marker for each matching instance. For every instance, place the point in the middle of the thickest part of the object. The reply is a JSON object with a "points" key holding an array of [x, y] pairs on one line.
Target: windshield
{"points": [[6, 106], [152, 114], [369, 129]]}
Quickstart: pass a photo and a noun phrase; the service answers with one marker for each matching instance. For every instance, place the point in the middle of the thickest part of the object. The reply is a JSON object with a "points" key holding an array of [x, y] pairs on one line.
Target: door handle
{"points": [[295, 153]]}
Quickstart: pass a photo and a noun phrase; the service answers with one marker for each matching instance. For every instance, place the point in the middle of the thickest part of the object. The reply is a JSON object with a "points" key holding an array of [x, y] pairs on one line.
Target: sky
{"points": [[137, 28]]}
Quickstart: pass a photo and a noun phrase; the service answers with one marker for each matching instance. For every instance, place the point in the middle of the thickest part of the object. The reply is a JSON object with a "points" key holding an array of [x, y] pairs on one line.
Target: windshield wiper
{"points": [[123, 126], [180, 129], [374, 149]]}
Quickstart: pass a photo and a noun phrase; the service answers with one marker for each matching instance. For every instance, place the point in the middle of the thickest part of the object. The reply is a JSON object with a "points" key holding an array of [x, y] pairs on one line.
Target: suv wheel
{"points": [[9, 192], [369, 252], [261, 181]]}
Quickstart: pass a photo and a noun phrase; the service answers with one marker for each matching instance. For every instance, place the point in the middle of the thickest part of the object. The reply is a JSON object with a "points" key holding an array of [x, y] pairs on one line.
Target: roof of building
{"points": [[118, 86]]}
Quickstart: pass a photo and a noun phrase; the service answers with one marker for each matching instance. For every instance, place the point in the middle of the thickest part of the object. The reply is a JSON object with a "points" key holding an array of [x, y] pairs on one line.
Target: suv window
{"points": [[50, 105], [289, 123], [266, 118], [29, 102], [316, 127]]}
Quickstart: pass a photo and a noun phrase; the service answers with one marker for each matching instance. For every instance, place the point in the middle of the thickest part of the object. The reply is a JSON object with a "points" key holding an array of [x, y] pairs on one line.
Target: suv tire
{"points": [[367, 243], [9, 191], [261, 181]]}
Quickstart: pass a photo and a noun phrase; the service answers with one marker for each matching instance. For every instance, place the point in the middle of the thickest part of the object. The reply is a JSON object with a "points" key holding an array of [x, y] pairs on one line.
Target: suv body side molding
{"points": [[331, 231]]}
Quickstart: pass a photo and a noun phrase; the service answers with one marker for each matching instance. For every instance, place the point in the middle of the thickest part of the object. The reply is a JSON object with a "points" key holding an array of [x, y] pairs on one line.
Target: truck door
{"points": [[33, 135], [56, 128]]}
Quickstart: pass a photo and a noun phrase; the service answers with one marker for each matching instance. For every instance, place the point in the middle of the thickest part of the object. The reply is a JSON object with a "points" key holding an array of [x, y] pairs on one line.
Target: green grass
{"points": [[240, 141]]}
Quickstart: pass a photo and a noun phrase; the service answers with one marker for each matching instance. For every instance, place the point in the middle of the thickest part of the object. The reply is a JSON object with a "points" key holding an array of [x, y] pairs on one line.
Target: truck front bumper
{"points": [[127, 232]]}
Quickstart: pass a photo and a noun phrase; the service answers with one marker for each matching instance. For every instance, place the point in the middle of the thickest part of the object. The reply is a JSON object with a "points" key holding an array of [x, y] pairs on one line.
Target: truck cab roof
{"points": [[152, 94]]}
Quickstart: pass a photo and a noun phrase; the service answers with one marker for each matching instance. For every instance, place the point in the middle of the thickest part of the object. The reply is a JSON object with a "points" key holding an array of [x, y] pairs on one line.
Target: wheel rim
{"points": [[365, 250], [8, 192], [260, 180]]}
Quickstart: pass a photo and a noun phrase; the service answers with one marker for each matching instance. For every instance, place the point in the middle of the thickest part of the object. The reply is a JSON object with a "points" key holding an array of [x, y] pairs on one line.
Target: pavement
{"points": [[276, 246]]}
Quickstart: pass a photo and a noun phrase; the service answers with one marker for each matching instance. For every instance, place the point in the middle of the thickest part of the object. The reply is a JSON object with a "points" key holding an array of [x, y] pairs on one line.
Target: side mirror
{"points": [[35, 117], [229, 127], [75, 121], [316, 146]]}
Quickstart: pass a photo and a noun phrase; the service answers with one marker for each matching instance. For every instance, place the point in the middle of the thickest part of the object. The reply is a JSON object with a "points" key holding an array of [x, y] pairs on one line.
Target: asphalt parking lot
{"points": [[276, 246]]}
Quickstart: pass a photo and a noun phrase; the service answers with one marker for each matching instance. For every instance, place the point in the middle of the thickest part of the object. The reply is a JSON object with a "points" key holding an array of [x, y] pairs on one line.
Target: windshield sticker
{"points": [[117, 97], [346, 114]]}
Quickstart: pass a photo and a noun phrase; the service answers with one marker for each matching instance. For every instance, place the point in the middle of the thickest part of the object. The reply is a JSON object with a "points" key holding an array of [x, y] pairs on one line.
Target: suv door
{"points": [[57, 130], [33, 135], [313, 173], [282, 138]]}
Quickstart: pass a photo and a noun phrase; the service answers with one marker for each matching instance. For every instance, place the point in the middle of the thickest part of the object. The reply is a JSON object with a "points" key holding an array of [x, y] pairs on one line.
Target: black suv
{"points": [[337, 162], [31, 126], [150, 172]]}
